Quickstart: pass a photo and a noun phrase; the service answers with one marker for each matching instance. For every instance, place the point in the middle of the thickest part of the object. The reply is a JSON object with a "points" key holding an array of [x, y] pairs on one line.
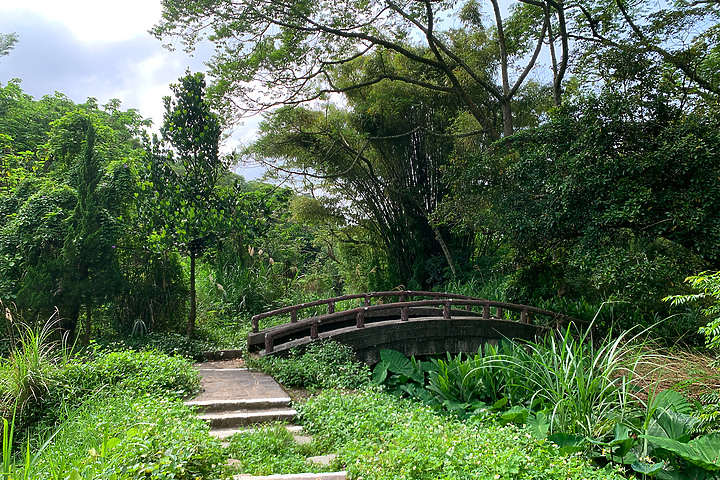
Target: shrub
{"points": [[322, 365], [137, 373], [708, 286], [167, 343]]}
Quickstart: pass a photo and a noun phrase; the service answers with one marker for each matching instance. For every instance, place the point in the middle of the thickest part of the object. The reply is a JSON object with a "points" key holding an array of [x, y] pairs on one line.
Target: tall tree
{"points": [[188, 174], [380, 157], [92, 272], [291, 48], [684, 36]]}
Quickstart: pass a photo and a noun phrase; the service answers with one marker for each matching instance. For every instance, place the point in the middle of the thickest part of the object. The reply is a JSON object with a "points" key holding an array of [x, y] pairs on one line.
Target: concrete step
{"points": [[209, 406], [223, 433], [232, 419], [296, 476]]}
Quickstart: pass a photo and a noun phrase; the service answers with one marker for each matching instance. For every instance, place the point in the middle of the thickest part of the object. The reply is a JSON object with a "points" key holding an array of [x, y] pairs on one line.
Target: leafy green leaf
{"points": [[539, 425]]}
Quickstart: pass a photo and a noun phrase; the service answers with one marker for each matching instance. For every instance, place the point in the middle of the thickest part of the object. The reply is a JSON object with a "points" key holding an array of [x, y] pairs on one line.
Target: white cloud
{"points": [[93, 21]]}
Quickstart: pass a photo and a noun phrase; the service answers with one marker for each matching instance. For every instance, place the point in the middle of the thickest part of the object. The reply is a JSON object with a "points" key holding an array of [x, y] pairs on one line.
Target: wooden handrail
{"points": [[526, 315], [331, 303]]}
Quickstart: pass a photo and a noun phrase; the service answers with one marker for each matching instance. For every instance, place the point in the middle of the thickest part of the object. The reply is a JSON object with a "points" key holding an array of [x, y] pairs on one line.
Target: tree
{"points": [[292, 48], [92, 272], [380, 157], [615, 195], [187, 175], [51, 248], [683, 36], [7, 43]]}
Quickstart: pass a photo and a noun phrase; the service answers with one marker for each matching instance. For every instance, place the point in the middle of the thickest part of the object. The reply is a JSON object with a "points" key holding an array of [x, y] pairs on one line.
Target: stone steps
{"points": [[242, 418], [223, 433], [209, 406], [236, 400]]}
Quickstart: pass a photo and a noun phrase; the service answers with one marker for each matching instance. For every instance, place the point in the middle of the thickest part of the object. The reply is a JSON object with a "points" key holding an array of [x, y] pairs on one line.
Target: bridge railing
{"points": [[403, 296], [311, 327]]}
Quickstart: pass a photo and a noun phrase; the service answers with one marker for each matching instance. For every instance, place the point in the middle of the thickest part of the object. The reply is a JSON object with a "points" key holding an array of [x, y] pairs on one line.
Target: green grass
{"points": [[117, 416], [125, 437]]}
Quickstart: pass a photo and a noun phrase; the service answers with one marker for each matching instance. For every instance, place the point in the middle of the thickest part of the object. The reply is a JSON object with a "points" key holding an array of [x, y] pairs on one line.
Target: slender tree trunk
{"points": [[193, 297], [445, 249], [88, 323]]}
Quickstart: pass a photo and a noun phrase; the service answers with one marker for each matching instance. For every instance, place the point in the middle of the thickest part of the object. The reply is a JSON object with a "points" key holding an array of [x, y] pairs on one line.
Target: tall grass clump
{"points": [[585, 386], [30, 370]]}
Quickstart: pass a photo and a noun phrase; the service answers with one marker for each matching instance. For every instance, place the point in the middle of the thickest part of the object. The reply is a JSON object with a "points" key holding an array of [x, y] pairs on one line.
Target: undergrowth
{"points": [[321, 365], [382, 437]]}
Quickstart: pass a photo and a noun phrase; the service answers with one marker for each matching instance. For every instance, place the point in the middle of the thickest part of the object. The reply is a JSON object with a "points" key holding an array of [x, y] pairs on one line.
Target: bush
{"points": [[322, 365], [136, 373], [127, 437], [377, 436], [167, 343]]}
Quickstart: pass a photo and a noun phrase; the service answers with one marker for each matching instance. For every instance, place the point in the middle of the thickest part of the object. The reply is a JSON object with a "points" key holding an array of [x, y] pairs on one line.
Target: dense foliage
{"points": [[586, 398], [378, 436], [116, 415], [321, 365]]}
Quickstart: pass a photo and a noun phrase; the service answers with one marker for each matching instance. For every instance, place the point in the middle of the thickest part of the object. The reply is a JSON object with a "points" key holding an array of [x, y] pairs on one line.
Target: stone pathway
{"points": [[234, 399]]}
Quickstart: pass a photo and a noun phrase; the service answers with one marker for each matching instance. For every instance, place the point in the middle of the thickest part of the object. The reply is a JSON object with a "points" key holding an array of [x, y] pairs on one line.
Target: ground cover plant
{"points": [[123, 436], [379, 436], [270, 450], [320, 365], [112, 415], [600, 398]]}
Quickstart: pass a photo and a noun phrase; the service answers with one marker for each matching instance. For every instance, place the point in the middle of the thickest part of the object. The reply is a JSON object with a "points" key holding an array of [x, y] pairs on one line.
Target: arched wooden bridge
{"points": [[415, 323]]}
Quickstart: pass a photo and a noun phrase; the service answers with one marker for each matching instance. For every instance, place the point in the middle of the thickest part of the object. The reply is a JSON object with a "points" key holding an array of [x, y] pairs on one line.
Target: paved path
{"points": [[234, 398], [225, 381]]}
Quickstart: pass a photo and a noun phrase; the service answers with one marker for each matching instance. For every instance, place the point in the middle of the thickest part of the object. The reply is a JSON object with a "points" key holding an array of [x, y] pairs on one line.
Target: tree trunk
{"points": [[445, 249], [193, 297]]}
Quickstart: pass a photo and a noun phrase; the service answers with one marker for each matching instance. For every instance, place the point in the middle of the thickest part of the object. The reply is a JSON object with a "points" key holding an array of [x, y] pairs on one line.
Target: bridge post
{"points": [[499, 312], [404, 314], [360, 319], [293, 316], [446, 310], [255, 324], [314, 330], [367, 300], [401, 298], [269, 347], [524, 316], [486, 311], [331, 307]]}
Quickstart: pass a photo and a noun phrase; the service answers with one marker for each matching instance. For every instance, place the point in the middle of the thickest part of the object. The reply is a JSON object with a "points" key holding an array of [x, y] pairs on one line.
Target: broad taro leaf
{"points": [[672, 400], [380, 373], [539, 425], [516, 414], [647, 468], [398, 363], [671, 424], [567, 442], [703, 451]]}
